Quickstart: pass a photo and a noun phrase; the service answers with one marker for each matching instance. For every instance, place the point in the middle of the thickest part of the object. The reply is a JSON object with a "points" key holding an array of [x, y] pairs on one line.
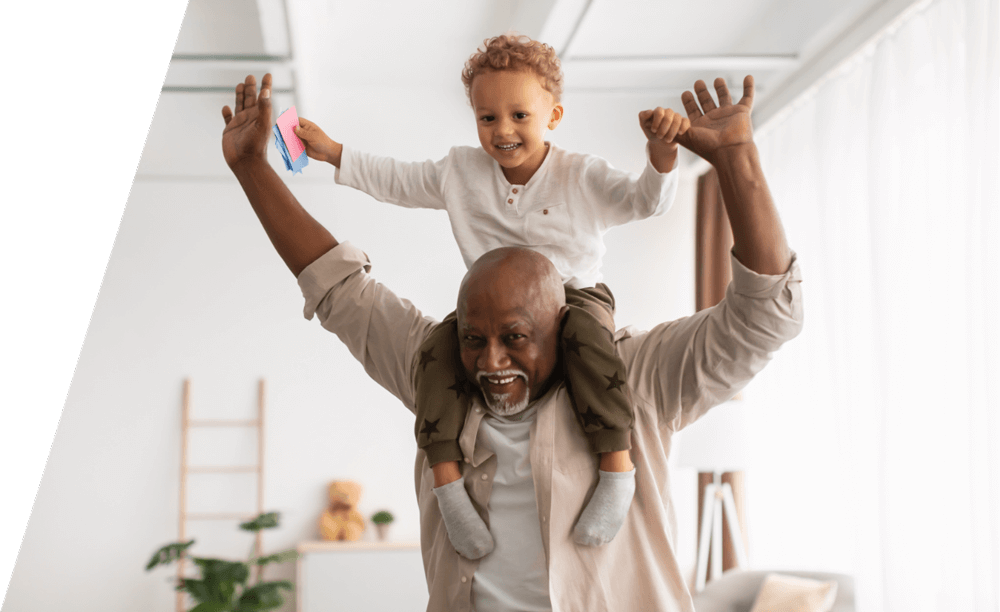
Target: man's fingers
{"points": [[747, 99], [227, 114], [723, 92], [690, 106], [238, 105], [704, 96], [249, 92], [265, 84]]}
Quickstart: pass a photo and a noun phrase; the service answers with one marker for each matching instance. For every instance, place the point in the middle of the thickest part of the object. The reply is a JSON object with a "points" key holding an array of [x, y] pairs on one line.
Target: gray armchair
{"points": [[736, 590]]}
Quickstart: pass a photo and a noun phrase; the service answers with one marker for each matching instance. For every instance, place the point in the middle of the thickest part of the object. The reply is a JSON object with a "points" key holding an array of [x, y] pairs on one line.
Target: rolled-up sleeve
{"points": [[381, 330], [685, 367]]}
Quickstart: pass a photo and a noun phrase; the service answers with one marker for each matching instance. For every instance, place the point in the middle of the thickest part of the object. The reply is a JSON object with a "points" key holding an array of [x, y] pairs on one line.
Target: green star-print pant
{"points": [[594, 375]]}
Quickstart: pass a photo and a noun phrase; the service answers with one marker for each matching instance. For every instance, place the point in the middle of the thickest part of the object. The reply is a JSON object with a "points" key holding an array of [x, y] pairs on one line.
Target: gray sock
{"points": [[466, 529], [606, 511]]}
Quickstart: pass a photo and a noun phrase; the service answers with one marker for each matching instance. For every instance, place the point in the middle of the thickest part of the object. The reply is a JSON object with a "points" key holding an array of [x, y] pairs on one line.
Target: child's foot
{"points": [[606, 511], [466, 529]]}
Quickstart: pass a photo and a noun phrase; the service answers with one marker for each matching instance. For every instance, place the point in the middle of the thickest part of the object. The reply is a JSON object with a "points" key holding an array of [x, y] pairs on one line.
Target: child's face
{"points": [[513, 111]]}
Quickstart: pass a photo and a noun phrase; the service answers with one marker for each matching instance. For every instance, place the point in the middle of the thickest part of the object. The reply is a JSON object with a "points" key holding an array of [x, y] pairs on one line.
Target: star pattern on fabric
{"points": [[572, 344], [430, 427], [425, 358], [614, 382], [591, 419], [460, 387]]}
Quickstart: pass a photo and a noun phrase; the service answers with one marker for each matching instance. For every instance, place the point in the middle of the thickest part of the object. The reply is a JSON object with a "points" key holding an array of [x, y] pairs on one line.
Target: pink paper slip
{"points": [[287, 123]]}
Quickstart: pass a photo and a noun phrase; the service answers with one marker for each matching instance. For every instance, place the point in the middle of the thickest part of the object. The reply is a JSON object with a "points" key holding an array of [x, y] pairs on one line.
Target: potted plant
{"points": [[382, 520], [223, 584]]}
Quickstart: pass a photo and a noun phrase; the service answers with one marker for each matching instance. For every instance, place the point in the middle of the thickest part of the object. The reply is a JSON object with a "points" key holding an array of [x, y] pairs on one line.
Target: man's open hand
{"points": [[247, 132], [716, 128]]}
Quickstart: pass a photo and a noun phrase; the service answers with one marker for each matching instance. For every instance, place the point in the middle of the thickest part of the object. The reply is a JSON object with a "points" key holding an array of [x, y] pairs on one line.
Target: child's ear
{"points": [[556, 117]]}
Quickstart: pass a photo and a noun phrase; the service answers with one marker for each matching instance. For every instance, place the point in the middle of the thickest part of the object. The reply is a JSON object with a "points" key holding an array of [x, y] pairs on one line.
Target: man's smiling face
{"points": [[509, 311]]}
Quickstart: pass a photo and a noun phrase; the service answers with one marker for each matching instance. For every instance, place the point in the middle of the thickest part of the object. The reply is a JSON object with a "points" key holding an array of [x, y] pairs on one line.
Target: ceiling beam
{"points": [[554, 22], [866, 30], [274, 26], [670, 63]]}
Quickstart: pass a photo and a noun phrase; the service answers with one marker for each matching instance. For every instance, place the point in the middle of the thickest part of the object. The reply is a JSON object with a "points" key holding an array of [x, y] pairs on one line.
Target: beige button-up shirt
{"points": [[677, 370]]}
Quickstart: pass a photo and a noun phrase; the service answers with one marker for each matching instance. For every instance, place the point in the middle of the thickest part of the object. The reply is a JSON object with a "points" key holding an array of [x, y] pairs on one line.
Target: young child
{"points": [[519, 190]]}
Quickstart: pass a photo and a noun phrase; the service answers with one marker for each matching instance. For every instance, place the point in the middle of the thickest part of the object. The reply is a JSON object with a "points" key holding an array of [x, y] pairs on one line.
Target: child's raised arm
{"points": [[661, 126], [319, 146]]}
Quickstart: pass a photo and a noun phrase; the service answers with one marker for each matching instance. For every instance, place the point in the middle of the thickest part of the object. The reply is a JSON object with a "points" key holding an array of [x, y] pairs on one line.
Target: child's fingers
{"points": [[657, 122], [227, 114], [673, 129]]}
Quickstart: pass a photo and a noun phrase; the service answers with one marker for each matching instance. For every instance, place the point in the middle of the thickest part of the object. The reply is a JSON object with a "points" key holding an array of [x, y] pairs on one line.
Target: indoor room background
{"points": [[872, 438]]}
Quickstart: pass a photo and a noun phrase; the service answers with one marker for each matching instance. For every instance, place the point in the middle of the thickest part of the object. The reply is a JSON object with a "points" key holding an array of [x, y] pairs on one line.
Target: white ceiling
{"points": [[607, 46]]}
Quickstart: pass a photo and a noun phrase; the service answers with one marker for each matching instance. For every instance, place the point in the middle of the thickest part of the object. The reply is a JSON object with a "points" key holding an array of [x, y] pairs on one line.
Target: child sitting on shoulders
{"points": [[518, 189]]}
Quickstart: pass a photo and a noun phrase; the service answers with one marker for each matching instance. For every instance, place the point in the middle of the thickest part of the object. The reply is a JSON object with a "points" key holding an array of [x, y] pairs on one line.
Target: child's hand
{"points": [[318, 145], [663, 125]]}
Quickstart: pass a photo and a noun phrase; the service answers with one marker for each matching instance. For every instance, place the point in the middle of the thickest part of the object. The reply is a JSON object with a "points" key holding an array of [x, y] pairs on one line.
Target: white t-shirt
{"points": [[514, 577], [562, 212]]}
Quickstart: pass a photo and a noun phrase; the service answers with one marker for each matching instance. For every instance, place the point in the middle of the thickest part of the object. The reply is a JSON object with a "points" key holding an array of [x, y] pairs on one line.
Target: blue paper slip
{"points": [[296, 166]]}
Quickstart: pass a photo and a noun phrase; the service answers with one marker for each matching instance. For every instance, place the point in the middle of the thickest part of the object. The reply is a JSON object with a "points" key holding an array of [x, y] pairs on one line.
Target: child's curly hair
{"points": [[513, 51]]}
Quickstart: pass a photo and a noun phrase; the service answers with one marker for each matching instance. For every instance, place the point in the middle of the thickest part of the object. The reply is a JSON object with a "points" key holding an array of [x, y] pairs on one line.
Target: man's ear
{"points": [[556, 117]]}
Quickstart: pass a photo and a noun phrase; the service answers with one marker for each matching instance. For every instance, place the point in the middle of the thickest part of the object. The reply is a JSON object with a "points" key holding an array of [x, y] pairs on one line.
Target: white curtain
{"points": [[876, 436]]}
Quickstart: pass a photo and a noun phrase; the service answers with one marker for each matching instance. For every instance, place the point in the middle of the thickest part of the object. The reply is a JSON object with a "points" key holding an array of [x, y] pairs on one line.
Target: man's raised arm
{"points": [[295, 234], [723, 136]]}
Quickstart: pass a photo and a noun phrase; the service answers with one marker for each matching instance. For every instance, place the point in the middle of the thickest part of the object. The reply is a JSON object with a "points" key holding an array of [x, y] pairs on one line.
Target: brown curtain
{"points": [[713, 241]]}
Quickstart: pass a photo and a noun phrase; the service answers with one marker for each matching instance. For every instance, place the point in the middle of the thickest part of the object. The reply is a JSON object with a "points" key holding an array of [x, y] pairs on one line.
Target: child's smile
{"points": [[513, 111]]}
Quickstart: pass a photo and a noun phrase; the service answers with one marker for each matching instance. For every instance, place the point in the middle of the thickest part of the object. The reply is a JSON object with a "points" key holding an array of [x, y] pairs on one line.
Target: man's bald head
{"points": [[509, 310], [515, 268]]}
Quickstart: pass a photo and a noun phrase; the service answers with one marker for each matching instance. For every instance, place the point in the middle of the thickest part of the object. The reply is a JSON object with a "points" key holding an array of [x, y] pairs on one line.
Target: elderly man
{"points": [[527, 466]]}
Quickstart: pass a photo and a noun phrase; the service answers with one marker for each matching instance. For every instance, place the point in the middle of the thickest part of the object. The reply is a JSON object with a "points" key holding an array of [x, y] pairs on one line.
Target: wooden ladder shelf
{"points": [[186, 424]]}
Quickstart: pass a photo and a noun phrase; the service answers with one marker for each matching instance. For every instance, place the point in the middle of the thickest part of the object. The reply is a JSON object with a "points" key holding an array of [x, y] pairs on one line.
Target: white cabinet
{"points": [[360, 576]]}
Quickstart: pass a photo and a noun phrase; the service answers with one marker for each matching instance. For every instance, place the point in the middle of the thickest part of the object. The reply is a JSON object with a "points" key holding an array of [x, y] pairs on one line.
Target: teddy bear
{"points": [[341, 520]]}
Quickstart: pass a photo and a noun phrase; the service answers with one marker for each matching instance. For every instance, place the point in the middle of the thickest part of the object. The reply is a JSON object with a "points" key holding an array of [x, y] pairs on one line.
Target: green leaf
{"points": [[217, 569], [212, 606], [282, 557], [382, 517], [263, 596], [267, 520], [198, 590], [168, 554]]}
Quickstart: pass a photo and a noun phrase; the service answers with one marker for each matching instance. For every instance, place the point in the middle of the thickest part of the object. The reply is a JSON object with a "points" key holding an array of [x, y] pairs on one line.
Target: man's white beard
{"points": [[502, 404]]}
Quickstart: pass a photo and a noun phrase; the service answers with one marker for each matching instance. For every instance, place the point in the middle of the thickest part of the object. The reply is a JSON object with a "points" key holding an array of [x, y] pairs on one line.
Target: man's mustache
{"points": [[501, 374]]}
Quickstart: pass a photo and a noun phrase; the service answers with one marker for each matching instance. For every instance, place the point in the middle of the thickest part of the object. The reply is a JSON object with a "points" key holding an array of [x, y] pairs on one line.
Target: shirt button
{"points": [[467, 460], [510, 201], [484, 477], [479, 409], [515, 190], [545, 212], [464, 579], [543, 519]]}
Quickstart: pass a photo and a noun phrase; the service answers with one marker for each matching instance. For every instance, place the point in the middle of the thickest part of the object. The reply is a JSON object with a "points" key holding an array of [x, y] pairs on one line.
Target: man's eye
{"points": [[514, 337]]}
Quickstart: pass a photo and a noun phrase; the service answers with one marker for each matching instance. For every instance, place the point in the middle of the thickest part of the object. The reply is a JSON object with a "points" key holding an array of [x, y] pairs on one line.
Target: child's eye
{"points": [[520, 115], [486, 118]]}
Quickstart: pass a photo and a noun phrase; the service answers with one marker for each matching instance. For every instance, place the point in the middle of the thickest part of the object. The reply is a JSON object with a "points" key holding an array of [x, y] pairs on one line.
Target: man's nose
{"points": [[494, 357]]}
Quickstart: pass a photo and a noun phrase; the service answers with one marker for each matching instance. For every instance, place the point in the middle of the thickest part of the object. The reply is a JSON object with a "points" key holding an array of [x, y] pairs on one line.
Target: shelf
{"points": [[324, 546]]}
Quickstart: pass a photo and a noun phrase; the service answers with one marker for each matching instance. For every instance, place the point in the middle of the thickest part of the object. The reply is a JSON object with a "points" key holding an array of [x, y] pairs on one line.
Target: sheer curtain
{"points": [[877, 441]]}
